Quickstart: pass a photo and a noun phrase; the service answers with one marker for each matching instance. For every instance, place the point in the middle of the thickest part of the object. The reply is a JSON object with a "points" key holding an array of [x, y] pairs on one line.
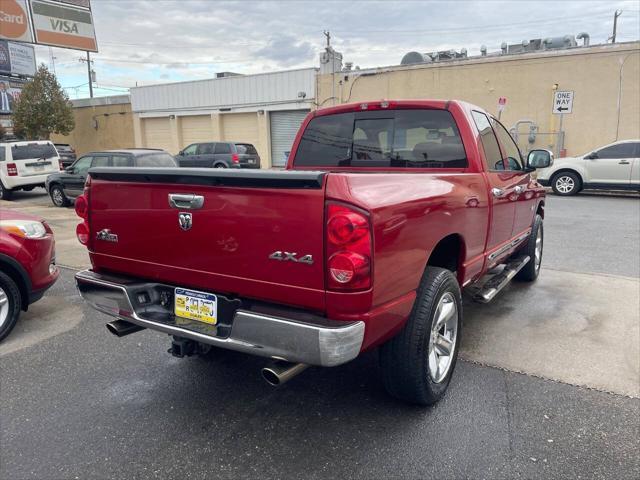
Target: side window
{"points": [[489, 142], [223, 148], [513, 159], [621, 150], [191, 149], [3, 155], [122, 161], [636, 152], [101, 161], [82, 165], [205, 148]]}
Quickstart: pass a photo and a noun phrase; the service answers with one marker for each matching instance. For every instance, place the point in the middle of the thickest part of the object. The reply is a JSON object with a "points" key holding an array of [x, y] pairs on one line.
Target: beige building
{"points": [[264, 109], [102, 123], [605, 80]]}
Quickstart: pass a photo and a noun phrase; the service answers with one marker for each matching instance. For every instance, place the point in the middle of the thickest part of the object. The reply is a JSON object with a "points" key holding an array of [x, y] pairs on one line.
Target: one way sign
{"points": [[563, 102]]}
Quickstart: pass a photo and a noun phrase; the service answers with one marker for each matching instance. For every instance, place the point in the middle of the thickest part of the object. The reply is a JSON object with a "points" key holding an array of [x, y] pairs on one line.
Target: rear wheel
{"points": [[566, 183], [219, 165], [58, 197], [10, 302], [417, 364], [5, 193]]}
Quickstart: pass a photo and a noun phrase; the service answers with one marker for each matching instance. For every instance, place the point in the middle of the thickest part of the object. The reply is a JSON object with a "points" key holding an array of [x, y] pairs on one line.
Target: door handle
{"points": [[519, 189], [187, 201], [623, 162], [498, 192]]}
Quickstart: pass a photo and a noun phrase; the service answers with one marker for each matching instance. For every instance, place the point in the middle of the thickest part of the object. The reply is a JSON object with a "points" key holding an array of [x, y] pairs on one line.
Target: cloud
{"points": [[147, 41]]}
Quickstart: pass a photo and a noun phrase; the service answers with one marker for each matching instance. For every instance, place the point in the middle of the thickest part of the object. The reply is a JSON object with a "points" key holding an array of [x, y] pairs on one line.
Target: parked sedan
{"points": [[67, 154], [614, 167], [27, 265], [219, 155], [69, 184]]}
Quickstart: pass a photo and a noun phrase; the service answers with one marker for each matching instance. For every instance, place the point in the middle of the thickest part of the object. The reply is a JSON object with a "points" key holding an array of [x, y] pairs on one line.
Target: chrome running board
{"points": [[490, 289]]}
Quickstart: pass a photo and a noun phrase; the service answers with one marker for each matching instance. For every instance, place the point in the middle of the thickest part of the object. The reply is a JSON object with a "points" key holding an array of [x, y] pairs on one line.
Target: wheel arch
{"points": [[449, 253], [14, 270]]}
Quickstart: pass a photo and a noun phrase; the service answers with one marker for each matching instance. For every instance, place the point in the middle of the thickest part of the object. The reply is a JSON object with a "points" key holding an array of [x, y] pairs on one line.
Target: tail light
{"points": [[235, 158], [348, 241], [83, 231], [12, 170]]}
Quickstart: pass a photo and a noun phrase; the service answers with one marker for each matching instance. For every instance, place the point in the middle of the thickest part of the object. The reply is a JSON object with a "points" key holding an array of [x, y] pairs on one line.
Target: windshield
{"points": [[33, 150], [247, 148], [156, 160], [396, 138]]}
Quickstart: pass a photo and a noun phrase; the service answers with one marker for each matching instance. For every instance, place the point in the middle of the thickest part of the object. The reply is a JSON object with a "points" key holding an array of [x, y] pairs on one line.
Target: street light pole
{"points": [[89, 72], [615, 25]]}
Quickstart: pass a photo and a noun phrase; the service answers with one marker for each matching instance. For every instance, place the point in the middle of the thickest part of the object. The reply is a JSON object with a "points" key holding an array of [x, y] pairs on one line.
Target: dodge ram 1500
{"points": [[385, 212]]}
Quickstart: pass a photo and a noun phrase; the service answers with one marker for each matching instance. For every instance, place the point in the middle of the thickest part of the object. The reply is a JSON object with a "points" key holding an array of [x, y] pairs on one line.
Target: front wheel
{"points": [[534, 246], [219, 165], [10, 303], [566, 183], [417, 364], [58, 197]]}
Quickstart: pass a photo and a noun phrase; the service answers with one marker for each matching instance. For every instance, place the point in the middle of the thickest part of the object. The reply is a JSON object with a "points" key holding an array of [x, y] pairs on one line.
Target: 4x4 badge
{"points": [[185, 220]]}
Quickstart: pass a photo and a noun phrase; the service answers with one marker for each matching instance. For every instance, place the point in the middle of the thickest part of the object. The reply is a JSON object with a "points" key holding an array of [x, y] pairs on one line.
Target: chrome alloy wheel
{"points": [[4, 307], [565, 184], [442, 341], [57, 197], [538, 249]]}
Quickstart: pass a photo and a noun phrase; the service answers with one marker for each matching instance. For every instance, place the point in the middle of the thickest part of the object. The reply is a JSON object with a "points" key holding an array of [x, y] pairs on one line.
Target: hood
{"points": [[10, 214]]}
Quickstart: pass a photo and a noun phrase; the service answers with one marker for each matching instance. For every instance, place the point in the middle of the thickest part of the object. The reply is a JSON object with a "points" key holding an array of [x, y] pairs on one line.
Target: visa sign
{"points": [[63, 25]]}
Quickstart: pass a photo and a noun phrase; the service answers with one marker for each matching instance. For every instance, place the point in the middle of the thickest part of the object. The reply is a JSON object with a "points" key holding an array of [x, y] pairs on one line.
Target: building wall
{"points": [[115, 128], [602, 77]]}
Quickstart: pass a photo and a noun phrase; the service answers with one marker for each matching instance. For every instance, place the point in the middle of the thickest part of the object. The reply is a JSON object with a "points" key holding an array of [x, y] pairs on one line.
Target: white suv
{"points": [[614, 167], [25, 165]]}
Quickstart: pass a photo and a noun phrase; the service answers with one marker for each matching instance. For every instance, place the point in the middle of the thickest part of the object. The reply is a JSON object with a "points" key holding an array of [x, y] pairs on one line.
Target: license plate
{"points": [[38, 167], [252, 160], [195, 305]]}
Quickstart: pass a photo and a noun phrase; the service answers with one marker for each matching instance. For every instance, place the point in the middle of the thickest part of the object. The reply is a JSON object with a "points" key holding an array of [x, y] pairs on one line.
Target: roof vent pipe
{"points": [[483, 50], [584, 36], [568, 40], [503, 47]]}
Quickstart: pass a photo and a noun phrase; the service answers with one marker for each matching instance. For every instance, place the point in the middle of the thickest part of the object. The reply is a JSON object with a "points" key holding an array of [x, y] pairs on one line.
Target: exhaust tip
{"points": [[112, 329], [271, 377]]}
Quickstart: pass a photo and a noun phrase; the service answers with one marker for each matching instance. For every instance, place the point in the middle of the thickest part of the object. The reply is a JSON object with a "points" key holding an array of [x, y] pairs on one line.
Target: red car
{"points": [[27, 264], [386, 212]]}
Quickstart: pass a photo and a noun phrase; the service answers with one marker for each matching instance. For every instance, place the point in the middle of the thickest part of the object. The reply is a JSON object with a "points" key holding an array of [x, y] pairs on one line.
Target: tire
{"points": [[406, 360], [530, 272], [566, 183], [5, 193], [58, 197], [219, 165], [10, 304]]}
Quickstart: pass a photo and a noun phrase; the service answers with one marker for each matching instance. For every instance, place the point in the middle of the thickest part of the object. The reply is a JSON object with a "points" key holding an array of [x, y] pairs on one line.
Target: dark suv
{"points": [[69, 184], [67, 154], [219, 155]]}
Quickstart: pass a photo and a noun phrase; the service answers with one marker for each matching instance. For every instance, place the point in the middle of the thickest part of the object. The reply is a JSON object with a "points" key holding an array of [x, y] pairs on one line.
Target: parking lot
{"points": [[539, 367]]}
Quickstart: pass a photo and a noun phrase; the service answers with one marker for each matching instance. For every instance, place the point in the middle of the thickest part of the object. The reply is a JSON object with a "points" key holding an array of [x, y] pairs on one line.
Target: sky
{"points": [[142, 42]]}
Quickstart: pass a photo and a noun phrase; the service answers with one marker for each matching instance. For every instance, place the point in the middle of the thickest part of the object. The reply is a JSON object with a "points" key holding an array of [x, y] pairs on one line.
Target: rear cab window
{"points": [[412, 138], [160, 159], [33, 151]]}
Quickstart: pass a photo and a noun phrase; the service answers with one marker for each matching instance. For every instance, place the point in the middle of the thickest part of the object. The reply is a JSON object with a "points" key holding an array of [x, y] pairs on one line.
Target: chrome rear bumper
{"points": [[292, 336]]}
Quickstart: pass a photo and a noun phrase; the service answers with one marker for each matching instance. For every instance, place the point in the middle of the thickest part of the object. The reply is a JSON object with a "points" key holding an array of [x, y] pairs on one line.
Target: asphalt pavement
{"points": [[77, 402]]}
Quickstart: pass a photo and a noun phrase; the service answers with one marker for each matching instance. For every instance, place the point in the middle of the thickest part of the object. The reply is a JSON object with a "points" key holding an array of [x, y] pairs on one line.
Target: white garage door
{"points": [[195, 129], [157, 134], [284, 127], [241, 127]]}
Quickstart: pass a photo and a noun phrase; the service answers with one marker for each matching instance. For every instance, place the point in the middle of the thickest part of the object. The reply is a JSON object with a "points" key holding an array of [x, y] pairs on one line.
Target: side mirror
{"points": [[69, 169], [539, 159], [181, 153], [591, 156]]}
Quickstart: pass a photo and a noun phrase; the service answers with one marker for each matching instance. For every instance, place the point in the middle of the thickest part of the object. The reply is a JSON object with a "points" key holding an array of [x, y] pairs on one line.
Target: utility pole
{"points": [[90, 72], [328, 35], [615, 25]]}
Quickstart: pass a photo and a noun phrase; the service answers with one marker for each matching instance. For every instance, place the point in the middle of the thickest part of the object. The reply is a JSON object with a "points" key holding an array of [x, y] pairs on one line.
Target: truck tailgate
{"points": [[226, 244]]}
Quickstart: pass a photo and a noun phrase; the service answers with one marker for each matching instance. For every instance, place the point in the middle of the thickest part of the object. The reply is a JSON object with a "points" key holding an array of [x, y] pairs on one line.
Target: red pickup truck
{"points": [[385, 212]]}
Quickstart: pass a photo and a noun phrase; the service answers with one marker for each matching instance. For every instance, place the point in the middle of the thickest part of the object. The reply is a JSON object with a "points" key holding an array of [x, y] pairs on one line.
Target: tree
{"points": [[43, 108]]}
